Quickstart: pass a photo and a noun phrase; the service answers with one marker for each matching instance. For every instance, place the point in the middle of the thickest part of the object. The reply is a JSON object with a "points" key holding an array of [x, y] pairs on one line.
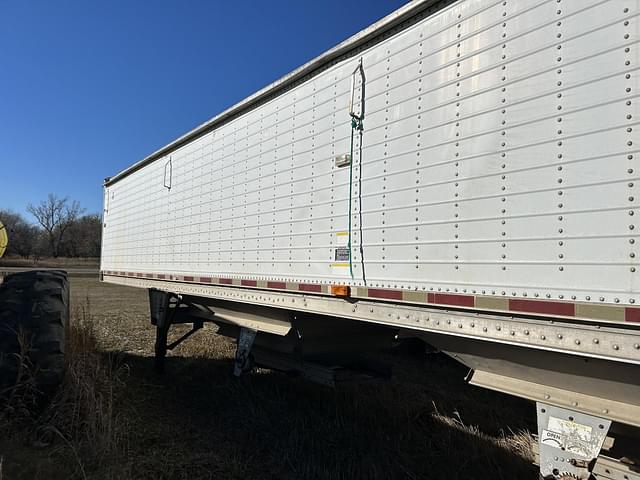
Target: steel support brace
{"points": [[168, 309], [569, 442], [243, 352]]}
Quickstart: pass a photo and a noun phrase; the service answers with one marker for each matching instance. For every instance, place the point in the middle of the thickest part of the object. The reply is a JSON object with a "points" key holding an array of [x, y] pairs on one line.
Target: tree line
{"points": [[61, 228]]}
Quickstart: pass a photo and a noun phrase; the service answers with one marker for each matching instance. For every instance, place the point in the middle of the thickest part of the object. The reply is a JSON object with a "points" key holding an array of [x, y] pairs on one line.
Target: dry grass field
{"points": [[116, 418], [60, 262]]}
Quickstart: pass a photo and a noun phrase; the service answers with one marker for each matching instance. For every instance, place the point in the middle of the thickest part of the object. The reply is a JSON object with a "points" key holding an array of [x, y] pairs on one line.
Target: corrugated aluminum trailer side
{"points": [[465, 170]]}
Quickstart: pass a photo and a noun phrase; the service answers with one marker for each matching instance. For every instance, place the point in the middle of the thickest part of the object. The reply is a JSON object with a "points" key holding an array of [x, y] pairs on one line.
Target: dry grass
{"points": [[19, 398], [116, 418], [83, 413], [50, 262]]}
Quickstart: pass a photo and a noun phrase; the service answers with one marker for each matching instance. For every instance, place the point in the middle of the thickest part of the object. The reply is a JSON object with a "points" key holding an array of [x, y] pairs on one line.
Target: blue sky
{"points": [[90, 87]]}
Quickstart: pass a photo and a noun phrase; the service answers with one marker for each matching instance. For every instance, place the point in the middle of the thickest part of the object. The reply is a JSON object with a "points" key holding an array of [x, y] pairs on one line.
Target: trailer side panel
{"points": [[497, 158]]}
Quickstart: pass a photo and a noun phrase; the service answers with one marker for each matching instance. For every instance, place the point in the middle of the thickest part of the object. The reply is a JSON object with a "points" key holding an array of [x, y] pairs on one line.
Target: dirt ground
{"points": [[198, 422]]}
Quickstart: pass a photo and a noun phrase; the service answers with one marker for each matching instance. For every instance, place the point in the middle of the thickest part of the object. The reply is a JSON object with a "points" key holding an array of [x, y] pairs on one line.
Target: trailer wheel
{"points": [[34, 317]]}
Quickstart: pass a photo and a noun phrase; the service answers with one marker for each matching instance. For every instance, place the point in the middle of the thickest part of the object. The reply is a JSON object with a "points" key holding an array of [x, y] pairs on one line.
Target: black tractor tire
{"points": [[34, 319]]}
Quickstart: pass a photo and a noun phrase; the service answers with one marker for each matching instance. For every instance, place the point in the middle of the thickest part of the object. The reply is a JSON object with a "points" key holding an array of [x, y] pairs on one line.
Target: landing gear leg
{"points": [[161, 347], [243, 361], [159, 302], [170, 309]]}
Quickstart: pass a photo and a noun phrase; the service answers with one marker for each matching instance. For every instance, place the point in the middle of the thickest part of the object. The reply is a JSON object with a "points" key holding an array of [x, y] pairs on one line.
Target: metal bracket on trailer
{"points": [[569, 442], [606, 467]]}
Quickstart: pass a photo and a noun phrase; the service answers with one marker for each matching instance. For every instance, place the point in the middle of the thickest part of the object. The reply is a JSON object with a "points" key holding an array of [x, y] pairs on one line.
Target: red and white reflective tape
{"points": [[589, 311]]}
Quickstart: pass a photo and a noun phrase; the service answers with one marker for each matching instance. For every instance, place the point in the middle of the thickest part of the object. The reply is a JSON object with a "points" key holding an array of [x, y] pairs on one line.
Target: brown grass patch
{"points": [[50, 262]]}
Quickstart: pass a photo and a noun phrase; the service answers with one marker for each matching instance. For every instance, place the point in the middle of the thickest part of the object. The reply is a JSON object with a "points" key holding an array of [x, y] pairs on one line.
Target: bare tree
{"points": [[83, 237], [55, 215]]}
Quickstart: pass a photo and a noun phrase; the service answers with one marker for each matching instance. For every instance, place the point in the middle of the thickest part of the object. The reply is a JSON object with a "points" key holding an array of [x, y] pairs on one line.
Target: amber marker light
{"points": [[340, 290]]}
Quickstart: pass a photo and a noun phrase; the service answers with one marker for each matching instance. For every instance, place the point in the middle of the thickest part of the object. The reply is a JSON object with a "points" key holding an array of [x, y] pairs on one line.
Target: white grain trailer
{"points": [[463, 171]]}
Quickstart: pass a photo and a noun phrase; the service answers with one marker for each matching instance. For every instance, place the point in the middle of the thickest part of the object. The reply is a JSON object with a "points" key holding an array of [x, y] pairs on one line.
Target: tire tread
{"points": [[37, 303]]}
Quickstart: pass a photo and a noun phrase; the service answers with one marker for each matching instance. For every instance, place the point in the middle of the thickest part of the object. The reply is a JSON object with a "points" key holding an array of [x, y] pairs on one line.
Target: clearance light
{"points": [[340, 290]]}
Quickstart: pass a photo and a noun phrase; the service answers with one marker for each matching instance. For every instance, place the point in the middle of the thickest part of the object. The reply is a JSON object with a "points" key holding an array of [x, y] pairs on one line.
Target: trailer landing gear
{"points": [[244, 360], [168, 309]]}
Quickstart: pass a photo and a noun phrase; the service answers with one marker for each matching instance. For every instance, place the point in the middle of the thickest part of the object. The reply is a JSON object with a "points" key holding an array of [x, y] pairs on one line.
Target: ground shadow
{"points": [[197, 421]]}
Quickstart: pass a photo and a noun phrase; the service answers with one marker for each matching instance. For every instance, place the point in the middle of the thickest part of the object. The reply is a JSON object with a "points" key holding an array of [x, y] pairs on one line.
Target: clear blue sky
{"points": [[90, 87]]}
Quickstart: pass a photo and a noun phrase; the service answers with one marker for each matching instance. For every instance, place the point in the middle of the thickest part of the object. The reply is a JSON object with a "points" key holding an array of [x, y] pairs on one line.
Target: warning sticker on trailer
{"points": [[342, 254], [573, 429], [570, 436]]}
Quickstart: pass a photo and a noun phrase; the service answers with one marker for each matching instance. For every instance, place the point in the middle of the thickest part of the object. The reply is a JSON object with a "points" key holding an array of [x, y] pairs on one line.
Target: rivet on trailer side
{"points": [[460, 171]]}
